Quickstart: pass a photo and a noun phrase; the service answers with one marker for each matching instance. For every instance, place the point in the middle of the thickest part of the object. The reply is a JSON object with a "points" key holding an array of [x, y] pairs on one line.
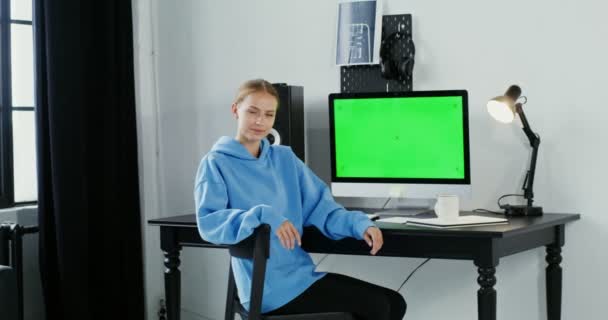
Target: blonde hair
{"points": [[255, 85]]}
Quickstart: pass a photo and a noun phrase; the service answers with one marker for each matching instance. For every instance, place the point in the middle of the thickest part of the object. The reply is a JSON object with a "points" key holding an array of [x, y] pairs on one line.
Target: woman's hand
{"points": [[373, 237], [289, 235]]}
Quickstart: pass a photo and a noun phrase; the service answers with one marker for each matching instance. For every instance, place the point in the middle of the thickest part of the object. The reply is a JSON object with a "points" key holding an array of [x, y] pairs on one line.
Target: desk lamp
{"points": [[503, 109]]}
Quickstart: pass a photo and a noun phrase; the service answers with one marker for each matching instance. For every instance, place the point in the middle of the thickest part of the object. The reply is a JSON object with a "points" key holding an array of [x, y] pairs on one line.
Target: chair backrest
{"points": [[256, 247], [8, 293]]}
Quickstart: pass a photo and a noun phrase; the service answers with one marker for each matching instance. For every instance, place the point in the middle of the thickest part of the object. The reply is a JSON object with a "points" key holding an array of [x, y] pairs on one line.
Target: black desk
{"points": [[483, 245]]}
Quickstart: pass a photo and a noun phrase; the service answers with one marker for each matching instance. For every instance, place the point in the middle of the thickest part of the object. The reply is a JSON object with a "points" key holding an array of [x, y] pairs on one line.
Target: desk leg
{"points": [[554, 282], [486, 295], [172, 284]]}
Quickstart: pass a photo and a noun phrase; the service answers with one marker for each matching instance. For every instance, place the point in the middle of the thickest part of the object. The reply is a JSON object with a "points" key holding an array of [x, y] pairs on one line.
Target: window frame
{"points": [[7, 183]]}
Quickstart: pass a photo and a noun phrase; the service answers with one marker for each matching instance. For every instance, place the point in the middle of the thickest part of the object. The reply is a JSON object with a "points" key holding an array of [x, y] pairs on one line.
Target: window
{"points": [[18, 183]]}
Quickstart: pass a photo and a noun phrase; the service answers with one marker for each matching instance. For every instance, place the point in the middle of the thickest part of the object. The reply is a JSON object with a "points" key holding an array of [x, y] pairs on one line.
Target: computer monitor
{"points": [[408, 145]]}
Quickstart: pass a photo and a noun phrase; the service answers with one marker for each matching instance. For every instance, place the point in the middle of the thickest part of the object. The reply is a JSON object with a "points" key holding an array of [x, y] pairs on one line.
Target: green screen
{"points": [[399, 137]]}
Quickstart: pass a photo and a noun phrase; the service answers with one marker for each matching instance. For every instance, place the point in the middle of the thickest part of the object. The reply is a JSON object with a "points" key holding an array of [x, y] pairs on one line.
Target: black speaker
{"points": [[288, 126]]}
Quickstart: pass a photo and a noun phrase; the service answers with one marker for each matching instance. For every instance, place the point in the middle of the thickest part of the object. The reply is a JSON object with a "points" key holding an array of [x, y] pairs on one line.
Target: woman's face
{"points": [[255, 116]]}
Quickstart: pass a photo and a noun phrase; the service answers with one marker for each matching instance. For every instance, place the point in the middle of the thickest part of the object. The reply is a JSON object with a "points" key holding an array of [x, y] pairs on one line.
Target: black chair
{"points": [[8, 293], [257, 247]]}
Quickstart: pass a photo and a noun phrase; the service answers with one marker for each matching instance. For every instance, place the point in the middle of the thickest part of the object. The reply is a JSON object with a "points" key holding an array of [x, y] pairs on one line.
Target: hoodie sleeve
{"points": [[215, 222], [321, 210]]}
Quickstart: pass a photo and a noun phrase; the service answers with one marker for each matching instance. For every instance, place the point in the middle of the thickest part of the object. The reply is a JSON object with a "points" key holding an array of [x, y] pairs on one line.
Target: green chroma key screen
{"points": [[399, 137]]}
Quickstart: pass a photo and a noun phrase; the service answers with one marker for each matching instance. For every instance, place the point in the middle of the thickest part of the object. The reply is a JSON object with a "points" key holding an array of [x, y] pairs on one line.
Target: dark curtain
{"points": [[90, 223]]}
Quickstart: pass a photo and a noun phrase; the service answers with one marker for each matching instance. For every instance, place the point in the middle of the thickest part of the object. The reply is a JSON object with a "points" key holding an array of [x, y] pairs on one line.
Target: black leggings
{"points": [[340, 293]]}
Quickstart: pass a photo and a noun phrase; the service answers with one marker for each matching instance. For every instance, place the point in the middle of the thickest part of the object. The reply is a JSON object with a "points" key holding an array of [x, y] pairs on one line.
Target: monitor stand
{"points": [[407, 207]]}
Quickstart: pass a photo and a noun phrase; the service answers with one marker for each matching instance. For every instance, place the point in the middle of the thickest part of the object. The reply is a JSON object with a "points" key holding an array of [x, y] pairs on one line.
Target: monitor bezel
{"points": [[434, 93]]}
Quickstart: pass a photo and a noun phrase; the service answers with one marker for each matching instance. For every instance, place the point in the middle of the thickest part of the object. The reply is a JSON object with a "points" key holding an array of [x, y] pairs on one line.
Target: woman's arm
{"points": [[321, 210], [218, 224]]}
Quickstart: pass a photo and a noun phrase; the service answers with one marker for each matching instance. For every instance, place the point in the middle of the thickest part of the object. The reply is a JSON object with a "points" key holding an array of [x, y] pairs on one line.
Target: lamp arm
{"points": [[528, 193], [533, 137], [534, 143]]}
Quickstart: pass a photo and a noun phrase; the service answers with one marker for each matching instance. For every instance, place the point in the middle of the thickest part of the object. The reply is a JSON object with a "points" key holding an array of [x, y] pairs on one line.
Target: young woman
{"points": [[244, 182]]}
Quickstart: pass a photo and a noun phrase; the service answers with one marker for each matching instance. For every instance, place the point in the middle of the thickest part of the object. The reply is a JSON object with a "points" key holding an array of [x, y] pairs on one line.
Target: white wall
{"points": [[557, 52]]}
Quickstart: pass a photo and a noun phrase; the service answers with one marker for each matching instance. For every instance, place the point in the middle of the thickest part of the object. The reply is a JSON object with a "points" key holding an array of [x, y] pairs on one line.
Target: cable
{"points": [[412, 273], [481, 210], [387, 200], [195, 313], [502, 206], [507, 195], [319, 263]]}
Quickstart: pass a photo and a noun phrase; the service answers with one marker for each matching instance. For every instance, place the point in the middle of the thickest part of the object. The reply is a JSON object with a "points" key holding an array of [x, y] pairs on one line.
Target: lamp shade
{"points": [[502, 108]]}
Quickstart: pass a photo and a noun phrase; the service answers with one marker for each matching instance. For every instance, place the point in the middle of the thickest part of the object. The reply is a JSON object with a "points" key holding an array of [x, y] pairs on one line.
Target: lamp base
{"points": [[523, 211]]}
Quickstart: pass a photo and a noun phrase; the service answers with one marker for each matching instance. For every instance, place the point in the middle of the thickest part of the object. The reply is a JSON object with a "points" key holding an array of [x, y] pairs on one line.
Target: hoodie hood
{"points": [[232, 148]]}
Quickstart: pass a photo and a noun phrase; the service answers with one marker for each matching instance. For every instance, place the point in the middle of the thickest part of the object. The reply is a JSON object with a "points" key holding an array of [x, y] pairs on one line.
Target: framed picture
{"points": [[358, 32]]}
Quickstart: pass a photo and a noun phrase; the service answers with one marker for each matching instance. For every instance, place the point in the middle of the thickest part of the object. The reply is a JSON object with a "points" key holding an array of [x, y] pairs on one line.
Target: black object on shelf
{"points": [[368, 78], [288, 126], [11, 254]]}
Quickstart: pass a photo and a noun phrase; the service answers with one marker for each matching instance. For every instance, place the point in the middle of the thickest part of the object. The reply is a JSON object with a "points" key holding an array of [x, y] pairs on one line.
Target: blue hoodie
{"points": [[235, 192]]}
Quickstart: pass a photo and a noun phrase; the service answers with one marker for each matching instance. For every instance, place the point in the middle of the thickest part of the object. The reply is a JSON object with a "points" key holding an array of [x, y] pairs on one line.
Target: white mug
{"points": [[447, 207]]}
